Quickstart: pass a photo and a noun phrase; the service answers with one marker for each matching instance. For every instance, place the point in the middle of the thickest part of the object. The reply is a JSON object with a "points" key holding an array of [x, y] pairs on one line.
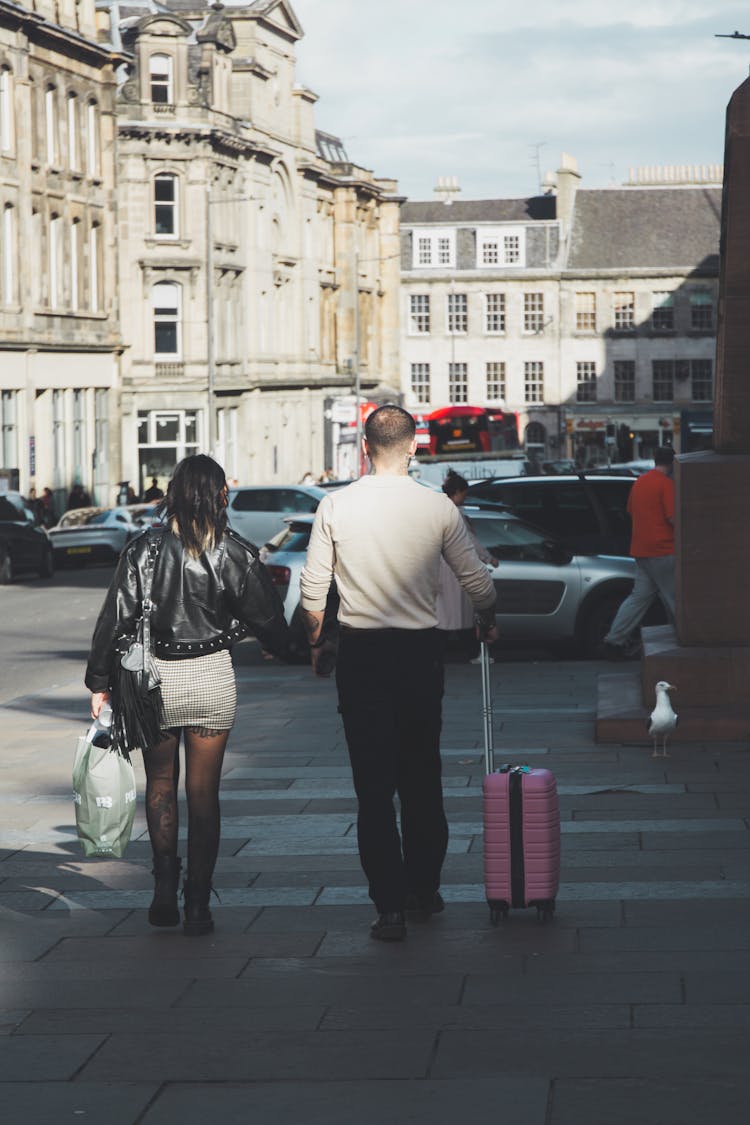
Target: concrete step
{"points": [[622, 716]]}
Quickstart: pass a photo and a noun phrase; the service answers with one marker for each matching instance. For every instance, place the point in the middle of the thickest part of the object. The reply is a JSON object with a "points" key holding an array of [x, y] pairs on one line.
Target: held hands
{"points": [[323, 658]]}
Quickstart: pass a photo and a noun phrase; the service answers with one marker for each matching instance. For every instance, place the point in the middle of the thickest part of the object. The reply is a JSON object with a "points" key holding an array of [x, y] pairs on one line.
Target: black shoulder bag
{"points": [[136, 684]]}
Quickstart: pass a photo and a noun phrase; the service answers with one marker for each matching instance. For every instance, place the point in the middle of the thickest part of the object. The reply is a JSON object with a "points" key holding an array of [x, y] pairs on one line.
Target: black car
{"points": [[23, 547], [587, 513]]}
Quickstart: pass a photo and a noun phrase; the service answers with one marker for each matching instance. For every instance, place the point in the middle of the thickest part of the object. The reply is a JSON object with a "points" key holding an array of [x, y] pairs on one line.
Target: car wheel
{"points": [[595, 622], [47, 565], [6, 567]]}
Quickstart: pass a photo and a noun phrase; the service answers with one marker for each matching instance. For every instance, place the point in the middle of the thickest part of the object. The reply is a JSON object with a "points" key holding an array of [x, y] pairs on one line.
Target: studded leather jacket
{"points": [[199, 605]]}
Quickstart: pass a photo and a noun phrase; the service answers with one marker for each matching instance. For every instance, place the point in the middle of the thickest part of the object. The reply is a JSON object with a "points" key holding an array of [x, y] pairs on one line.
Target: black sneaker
{"points": [[421, 910], [389, 927], [630, 651]]}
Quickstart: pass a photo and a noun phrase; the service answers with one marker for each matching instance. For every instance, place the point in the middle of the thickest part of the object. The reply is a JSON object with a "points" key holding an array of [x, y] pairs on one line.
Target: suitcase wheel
{"points": [[545, 912], [498, 912]]}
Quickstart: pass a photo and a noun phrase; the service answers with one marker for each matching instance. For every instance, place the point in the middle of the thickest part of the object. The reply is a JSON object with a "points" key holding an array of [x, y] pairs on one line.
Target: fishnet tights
{"points": [[204, 755]]}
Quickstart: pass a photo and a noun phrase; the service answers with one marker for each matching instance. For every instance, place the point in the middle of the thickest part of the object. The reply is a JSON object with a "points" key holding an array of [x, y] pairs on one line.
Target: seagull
{"points": [[662, 719]]}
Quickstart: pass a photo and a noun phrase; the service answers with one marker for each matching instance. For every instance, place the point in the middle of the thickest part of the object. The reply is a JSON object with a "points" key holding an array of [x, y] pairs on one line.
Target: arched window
{"points": [[162, 82], [167, 317], [93, 147], [7, 115], [74, 134], [166, 202], [52, 124]]}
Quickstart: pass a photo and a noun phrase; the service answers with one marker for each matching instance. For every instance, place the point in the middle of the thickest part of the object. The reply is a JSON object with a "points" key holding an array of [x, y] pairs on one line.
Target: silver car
{"points": [[258, 513], [546, 594], [97, 534]]}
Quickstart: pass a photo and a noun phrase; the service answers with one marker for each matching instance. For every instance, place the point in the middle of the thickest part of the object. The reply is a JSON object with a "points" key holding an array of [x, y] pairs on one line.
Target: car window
{"points": [[254, 500], [293, 500], [612, 494], [511, 539]]}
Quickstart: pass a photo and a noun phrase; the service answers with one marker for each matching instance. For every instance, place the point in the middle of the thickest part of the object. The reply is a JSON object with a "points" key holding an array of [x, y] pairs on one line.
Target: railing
{"points": [[169, 370]]}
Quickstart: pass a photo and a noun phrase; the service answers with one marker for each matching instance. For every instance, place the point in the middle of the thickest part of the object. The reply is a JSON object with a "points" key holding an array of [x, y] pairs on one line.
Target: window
{"points": [[8, 421], [166, 299], [6, 109], [701, 378], [624, 311], [533, 381], [458, 313], [494, 312], [533, 312], [495, 374], [662, 316], [701, 311], [419, 314], [76, 264], [74, 134], [55, 261], [9, 256], [624, 380], [500, 246], [160, 71], [166, 206], [420, 382], [663, 380], [79, 434], [94, 268], [50, 119], [58, 437], [585, 381], [92, 140], [101, 433], [434, 248], [585, 312], [458, 382]]}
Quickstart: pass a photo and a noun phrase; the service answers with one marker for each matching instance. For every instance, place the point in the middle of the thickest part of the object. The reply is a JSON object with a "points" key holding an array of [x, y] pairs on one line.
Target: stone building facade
{"points": [[59, 325], [589, 313], [244, 236]]}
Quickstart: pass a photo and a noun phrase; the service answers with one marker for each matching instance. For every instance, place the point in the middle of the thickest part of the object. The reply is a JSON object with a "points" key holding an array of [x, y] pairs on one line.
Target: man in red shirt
{"points": [[651, 508]]}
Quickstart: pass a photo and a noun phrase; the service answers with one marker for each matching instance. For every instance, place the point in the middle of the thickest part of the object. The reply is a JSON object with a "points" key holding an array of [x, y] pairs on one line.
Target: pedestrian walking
{"points": [[208, 590], [78, 498], [651, 509], [455, 612], [383, 538]]}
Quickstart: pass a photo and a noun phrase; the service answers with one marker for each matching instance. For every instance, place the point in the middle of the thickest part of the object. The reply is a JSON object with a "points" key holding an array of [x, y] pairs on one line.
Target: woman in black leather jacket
{"points": [[209, 589]]}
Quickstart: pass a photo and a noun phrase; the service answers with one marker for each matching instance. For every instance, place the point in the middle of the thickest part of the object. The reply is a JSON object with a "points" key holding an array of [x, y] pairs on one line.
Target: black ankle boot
{"points": [[198, 918], [164, 910]]}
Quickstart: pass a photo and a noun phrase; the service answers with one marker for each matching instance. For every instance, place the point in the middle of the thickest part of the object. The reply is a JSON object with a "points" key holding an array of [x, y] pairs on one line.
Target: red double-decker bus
{"points": [[466, 429]]}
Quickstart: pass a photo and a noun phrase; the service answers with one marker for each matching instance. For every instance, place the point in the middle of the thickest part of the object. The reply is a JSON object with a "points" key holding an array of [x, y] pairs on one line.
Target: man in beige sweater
{"points": [[382, 538]]}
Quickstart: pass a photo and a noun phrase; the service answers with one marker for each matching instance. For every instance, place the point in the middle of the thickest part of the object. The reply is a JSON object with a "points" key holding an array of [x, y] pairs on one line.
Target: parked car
{"points": [[546, 594], [97, 534], [257, 514], [587, 512], [23, 546]]}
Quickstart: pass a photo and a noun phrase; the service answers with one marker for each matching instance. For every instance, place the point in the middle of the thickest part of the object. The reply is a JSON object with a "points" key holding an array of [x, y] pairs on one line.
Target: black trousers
{"points": [[390, 684]]}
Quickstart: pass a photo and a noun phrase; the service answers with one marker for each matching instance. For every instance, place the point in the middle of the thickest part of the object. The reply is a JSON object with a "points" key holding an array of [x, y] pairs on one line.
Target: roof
{"points": [[478, 210], [632, 228]]}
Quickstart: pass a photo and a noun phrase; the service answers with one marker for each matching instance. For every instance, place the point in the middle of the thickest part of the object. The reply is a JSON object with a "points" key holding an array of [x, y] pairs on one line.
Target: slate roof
{"points": [[639, 228], [478, 210]]}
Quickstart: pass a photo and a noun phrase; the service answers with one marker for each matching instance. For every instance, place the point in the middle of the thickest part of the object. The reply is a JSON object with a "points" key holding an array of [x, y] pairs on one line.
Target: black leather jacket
{"points": [[200, 605]]}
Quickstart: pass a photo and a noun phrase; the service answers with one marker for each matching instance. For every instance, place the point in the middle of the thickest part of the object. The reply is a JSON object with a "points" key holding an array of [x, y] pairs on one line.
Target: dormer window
{"points": [[434, 248], [501, 247], [162, 80]]}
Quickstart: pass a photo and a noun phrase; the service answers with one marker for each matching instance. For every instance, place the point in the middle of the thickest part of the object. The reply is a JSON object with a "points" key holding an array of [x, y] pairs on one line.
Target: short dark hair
{"points": [[389, 427], [664, 455], [454, 483]]}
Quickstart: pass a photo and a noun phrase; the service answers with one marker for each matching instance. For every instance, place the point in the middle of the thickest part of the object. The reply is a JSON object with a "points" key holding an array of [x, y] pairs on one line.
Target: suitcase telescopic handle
{"points": [[489, 745]]}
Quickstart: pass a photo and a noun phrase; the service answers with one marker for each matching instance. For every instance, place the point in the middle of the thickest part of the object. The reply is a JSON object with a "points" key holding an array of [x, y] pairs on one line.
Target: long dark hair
{"points": [[195, 504]]}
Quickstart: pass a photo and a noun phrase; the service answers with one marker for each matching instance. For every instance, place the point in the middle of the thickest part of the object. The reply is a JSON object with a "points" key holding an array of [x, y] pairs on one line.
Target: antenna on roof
{"points": [[447, 189], [734, 35], [536, 163]]}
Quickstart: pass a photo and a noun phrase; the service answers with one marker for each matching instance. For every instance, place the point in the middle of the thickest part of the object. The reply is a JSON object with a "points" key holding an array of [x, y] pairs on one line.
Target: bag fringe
{"points": [[136, 712]]}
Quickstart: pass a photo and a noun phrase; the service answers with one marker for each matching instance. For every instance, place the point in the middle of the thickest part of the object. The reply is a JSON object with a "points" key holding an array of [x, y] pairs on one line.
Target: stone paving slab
{"points": [[51, 1103], [347, 1103], [649, 1101], [44, 1058]]}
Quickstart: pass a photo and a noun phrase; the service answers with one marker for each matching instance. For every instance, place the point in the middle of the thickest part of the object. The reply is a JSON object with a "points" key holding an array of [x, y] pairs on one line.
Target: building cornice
{"points": [[61, 39]]}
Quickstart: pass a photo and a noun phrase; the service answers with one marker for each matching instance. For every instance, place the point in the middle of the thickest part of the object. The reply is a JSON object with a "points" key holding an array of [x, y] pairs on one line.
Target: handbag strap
{"points": [[147, 604]]}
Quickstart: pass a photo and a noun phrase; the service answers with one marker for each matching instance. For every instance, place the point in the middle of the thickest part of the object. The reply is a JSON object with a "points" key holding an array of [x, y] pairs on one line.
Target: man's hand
{"points": [[323, 658], [488, 636]]}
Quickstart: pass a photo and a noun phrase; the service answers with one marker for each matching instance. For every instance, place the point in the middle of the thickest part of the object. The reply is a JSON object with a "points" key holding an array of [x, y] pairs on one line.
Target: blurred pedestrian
{"points": [[455, 613], [78, 498], [382, 538], [47, 514], [208, 590], [651, 508], [153, 492]]}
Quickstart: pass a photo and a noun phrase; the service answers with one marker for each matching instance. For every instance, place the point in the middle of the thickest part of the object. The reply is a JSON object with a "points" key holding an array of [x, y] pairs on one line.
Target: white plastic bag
{"points": [[104, 795]]}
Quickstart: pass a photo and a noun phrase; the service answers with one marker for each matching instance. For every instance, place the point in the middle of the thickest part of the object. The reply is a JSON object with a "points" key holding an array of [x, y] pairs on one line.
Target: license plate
{"points": [[79, 550]]}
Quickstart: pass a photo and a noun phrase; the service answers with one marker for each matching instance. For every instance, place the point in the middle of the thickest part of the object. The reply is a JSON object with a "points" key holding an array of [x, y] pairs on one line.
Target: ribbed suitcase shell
{"points": [[540, 839]]}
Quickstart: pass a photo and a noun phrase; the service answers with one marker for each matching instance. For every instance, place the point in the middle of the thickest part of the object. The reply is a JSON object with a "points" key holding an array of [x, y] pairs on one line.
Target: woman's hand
{"points": [[98, 699]]}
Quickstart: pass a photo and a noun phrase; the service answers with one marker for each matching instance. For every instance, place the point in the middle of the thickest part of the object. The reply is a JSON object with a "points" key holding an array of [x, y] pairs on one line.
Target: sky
{"points": [[493, 91]]}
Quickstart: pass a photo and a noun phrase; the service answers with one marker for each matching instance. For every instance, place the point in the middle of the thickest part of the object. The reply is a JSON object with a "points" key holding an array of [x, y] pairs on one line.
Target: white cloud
{"points": [[423, 88]]}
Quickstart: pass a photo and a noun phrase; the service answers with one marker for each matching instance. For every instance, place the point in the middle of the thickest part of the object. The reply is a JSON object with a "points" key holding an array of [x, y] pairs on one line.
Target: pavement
{"points": [[632, 1006]]}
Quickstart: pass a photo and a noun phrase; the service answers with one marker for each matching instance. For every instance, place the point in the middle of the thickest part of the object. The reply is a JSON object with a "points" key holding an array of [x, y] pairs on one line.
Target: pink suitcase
{"points": [[521, 829]]}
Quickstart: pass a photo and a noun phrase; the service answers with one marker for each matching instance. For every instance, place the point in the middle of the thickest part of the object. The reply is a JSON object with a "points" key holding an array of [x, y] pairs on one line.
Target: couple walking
{"points": [[382, 539]]}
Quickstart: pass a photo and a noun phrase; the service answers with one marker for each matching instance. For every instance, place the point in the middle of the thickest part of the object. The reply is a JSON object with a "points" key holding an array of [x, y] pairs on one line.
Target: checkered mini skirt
{"points": [[199, 691]]}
